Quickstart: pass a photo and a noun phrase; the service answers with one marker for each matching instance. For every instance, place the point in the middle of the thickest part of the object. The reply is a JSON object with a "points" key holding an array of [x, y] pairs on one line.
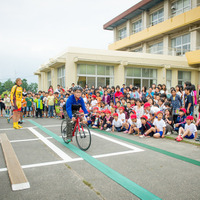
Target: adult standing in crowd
{"points": [[16, 100]]}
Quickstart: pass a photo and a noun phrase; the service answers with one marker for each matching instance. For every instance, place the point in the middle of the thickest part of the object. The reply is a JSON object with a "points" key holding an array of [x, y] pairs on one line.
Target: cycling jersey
{"points": [[71, 101], [16, 96]]}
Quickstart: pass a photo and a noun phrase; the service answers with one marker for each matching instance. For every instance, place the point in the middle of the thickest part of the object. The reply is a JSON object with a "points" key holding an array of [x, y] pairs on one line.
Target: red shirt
{"points": [[117, 94]]}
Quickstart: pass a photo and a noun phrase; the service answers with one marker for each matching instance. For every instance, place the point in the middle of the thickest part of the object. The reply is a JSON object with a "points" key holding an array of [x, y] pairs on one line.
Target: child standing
{"points": [[39, 105], [29, 101], [189, 104], [94, 102], [190, 130], [139, 109]]}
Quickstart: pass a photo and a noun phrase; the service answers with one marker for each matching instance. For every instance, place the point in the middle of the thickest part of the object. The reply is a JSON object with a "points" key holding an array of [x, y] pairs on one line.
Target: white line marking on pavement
{"points": [[12, 129], [58, 151], [28, 140], [73, 160], [116, 141]]}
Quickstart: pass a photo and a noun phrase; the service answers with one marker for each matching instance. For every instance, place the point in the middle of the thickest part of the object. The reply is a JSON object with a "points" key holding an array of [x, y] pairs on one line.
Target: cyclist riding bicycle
{"points": [[73, 104]]}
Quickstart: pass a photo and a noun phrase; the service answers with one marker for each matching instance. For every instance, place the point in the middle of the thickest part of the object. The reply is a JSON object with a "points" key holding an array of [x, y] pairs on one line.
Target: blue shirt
{"points": [[72, 101]]}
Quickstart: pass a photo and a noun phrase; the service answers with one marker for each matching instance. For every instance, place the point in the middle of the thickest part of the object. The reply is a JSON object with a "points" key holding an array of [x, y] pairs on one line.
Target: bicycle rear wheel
{"points": [[64, 131], [83, 137]]}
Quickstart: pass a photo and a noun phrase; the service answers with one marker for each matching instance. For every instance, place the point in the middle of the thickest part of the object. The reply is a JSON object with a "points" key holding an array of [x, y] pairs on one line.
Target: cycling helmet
{"points": [[77, 87]]}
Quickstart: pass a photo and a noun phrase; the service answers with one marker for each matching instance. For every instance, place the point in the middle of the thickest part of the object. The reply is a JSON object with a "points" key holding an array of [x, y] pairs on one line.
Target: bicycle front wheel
{"points": [[83, 137], [64, 131]]}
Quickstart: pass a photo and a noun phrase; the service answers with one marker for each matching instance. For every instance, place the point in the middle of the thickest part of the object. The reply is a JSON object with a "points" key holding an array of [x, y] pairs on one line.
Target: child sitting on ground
{"points": [[180, 121], [96, 122], [135, 125], [159, 125], [190, 130], [146, 129], [121, 114], [117, 123], [107, 124], [102, 117]]}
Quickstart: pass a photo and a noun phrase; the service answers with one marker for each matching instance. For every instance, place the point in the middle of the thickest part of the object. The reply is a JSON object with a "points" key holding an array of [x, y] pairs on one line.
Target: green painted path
{"points": [[109, 172], [173, 155]]}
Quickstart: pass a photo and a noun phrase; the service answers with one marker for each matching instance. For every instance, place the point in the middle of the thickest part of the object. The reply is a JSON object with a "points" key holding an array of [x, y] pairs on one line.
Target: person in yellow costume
{"points": [[16, 102]]}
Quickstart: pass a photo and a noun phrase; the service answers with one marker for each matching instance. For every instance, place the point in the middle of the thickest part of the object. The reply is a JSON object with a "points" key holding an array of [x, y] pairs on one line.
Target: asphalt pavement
{"points": [[54, 171]]}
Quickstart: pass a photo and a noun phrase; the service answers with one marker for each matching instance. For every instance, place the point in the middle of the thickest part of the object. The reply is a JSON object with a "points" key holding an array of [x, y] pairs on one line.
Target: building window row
{"points": [[180, 6], [95, 75], [61, 76], [177, 7]]}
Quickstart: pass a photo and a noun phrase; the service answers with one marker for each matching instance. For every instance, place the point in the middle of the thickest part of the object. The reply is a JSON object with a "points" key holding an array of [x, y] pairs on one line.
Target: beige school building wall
{"points": [[120, 60]]}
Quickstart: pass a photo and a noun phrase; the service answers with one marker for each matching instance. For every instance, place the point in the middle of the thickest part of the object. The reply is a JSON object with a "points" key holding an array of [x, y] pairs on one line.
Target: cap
{"points": [[190, 117], [107, 111], [183, 110], [94, 96], [115, 114], [122, 108], [147, 104], [144, 117], [159, 112], [98, 111], [81, 111], [134, 116], [133, 111], [95, 108], [114, 106]]}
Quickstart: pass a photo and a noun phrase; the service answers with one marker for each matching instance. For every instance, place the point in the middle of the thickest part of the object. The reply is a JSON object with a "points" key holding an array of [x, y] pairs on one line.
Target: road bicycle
{"points": [[81, 132]]}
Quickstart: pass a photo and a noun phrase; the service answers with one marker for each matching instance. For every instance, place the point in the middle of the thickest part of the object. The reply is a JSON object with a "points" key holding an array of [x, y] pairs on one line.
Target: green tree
{"points": [[33, 87], [1, 88], [8, 85], [24, 84]]}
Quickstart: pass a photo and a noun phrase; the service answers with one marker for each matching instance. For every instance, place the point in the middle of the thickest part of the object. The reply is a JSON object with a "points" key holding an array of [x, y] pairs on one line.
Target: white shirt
{"points": [[94, 103], [191, 127], [137, 123], [154, 109], [117, 123], [45, 101], [121, 116], [85, 100], [159, 124]]}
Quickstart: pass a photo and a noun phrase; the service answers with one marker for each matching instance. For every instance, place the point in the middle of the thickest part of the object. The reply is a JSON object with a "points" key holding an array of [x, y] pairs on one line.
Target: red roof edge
{"points": [[125, 13]]}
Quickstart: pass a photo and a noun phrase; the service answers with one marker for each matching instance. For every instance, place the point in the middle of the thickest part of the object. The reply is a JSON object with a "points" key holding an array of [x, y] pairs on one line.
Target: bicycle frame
{"points": [[77, 125]]}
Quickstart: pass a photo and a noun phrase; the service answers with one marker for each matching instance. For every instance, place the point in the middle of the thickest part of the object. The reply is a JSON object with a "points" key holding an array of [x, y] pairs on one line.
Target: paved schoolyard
{"points": [[54, 171]]}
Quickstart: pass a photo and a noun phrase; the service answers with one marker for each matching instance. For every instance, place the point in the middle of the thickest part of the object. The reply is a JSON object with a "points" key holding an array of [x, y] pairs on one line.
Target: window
{"points": [[61, 76], [183, 76], [157, 17], [140, 76], [48, 79], [181, 44], [168, 79], [95, 75], [122, 33], [137, 26], [180, 6], [137, 50], [156, 48]]}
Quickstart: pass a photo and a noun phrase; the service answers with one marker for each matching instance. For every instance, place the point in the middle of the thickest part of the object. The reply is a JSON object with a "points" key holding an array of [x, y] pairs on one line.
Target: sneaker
{"points": [[179, 138], [198, 139], [125, 131], [142, 136], [168, 133], [108, 129]]}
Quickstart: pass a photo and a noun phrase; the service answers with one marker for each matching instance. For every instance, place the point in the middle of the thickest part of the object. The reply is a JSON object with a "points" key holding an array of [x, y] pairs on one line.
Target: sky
{"points": [[32, 31]]}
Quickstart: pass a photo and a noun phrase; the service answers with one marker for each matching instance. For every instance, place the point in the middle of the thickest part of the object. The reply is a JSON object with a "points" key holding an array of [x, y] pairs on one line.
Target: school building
{"points": [[155, 41]]}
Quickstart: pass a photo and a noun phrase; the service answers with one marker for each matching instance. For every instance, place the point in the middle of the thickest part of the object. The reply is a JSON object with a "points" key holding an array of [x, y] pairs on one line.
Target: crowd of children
{"points": [[153, 113]]}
